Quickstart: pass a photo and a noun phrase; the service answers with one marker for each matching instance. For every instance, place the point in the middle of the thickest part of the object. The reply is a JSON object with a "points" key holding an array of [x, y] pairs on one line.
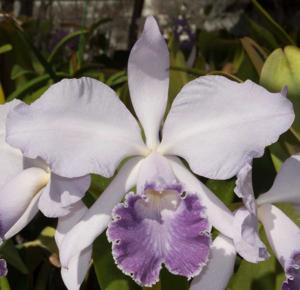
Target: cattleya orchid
{"points": [[282, 233], [80, 127], [27, 185]]}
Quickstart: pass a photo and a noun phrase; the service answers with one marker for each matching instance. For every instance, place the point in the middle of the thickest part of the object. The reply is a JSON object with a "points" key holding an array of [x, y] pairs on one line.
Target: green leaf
{"points": [[29, 87], [223, 189], [282, 68], [169, 281], [63, 42], [18, 71], [108, 275], [4, 285], [277, 30], [2, 97], [262, 35], [12, 256], [42, 277], [256, 53], [250, 276], [5, 48]]}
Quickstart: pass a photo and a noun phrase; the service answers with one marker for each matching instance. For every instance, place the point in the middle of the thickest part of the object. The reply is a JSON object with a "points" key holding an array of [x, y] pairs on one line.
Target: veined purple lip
{"points": [[159, 227]]}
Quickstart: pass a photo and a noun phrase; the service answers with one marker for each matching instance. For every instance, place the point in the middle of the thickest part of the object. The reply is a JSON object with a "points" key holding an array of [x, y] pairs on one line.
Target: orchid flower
{"points": [[80, 127], [282, 233], [27, 185]]}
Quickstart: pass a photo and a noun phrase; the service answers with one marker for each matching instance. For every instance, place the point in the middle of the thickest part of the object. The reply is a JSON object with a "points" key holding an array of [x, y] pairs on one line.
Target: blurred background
{"points": [[43, 41]]}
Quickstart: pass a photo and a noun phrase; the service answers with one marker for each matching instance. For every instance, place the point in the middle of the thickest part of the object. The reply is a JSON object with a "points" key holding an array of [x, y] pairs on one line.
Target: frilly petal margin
{"points": [[148, 79], [216, 275], [61, 193], [96, 219], [215, 124], [292, 270], [66, 127], [147, 232]]}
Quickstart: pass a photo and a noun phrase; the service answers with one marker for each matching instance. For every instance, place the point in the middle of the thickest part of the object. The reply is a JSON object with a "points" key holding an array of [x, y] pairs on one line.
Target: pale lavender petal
{"points": [[246, 239], [78, 126], [286, 184], [244, 187], [17, 196], [11, 158], [3, 268], [284, 237], [215, 275], [61, 193], [148, 79], [292, 271], [215, 124], [159, 228]]}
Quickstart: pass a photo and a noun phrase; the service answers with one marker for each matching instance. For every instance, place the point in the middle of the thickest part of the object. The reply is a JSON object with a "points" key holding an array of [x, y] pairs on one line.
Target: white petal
{"points": [[220, 266], [74, 275], [11, 158], [244, 188], [148, 78], [283, 234], [218, 214], [26, 217], [95, 221], [61, 193], [217, 124], [247, 241], [78, 126], [16, 198], [286, 187]]}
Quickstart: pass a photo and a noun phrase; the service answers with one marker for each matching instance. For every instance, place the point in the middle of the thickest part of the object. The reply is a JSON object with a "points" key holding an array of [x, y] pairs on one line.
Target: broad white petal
{"points": [[61, 193], [96, 219], [286, 187], [148, 79], [217, 124], [283, 234], [11, 158], [26, 217], [74, 275], [220, 267], [78, 126], [16, 196], [218, 214]]}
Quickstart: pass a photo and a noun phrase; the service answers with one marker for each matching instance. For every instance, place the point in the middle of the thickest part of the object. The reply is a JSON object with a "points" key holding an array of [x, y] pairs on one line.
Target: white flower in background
{"points": [[80, 127], [27, 185], [282, 233]]}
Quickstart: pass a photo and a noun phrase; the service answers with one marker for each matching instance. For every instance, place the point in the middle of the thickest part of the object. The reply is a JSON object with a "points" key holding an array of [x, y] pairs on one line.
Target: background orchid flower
{"points": [[80, 127], [27, 185], [282, 233]]}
